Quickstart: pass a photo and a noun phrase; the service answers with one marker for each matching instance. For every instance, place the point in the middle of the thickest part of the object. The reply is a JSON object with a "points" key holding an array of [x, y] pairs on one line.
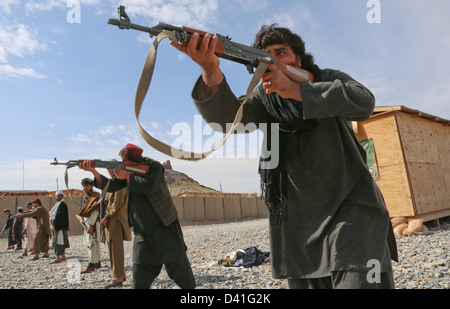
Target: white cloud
{"points": [[103, 142], [290, 18], [42, 6], [5, 6], [81, 138], [19, 40], [107, 130], [155, 125], [144, 38], [8, 71], [192, 13]]}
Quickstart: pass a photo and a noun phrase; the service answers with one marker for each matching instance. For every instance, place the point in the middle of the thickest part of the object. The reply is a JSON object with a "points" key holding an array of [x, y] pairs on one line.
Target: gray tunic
{"points": [[337, 219]]}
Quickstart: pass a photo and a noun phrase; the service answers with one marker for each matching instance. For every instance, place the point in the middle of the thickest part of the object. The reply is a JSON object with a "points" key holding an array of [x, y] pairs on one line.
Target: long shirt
{"points": [[336, 216]]}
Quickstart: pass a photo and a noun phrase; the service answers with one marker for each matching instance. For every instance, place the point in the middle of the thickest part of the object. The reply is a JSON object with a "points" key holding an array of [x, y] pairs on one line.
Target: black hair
{"points": [[270, 35], [87, 181]]}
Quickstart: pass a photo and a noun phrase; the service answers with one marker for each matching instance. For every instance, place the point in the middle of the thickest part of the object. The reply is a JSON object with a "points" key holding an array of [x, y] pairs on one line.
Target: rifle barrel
{"points": [[127, 25]]}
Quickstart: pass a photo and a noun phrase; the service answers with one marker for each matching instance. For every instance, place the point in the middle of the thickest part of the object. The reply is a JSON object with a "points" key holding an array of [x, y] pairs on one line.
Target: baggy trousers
{"points": [[178, 270]]}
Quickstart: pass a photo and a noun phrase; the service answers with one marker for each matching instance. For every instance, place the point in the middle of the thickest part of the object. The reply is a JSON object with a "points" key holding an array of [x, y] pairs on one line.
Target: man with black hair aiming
{"points": [[328, 219]]}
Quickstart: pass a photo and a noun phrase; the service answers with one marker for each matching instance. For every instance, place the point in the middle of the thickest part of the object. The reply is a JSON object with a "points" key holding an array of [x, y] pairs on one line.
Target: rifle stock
{"points": [[139, 169]]}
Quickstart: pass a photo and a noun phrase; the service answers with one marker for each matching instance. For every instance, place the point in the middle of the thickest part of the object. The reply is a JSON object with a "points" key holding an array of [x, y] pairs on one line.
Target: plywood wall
{"points": [[393, 181], [426, 147], [413, 156]]}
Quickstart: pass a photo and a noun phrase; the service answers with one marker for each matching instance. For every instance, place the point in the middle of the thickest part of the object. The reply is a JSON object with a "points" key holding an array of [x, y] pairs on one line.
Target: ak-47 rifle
{"points": [[226, 48], [136, 168]]}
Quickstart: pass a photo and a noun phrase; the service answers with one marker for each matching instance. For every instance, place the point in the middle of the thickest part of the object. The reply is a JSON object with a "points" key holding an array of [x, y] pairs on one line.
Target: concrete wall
{"points": [[190, 209], [219, 209]]}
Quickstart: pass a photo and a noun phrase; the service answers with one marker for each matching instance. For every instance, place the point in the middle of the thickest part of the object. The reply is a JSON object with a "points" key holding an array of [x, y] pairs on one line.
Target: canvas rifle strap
{"points": [[144, 84], [66, 181]]}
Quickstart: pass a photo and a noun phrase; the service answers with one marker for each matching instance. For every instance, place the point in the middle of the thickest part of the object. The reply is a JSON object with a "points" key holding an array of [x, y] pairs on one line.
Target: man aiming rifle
{"points": [[328, 219], [158, 239]]}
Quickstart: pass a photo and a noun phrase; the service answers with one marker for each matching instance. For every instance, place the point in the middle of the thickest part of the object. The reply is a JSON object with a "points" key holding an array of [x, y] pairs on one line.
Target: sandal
{"points": [[114, 284]]}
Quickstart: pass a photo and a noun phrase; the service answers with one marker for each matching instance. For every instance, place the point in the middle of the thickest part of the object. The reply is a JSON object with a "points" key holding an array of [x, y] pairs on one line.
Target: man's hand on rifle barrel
{"points": [[204, 56], [86, 165]]}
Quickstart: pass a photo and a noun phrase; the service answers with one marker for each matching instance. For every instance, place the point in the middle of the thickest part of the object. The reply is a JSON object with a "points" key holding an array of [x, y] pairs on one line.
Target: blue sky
{"points": [[67, 88]]}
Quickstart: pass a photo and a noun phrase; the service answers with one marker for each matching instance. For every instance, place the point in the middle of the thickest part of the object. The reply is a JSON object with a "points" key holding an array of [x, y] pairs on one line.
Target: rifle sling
{"points": [[144, 84]]}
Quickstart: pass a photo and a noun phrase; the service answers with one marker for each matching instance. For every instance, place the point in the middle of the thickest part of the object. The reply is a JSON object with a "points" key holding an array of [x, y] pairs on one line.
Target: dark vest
{"points": [[161, 200]]}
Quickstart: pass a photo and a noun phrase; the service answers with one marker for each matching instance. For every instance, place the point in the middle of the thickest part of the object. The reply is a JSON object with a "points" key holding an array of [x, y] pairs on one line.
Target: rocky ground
{"points": [[424, 261]]}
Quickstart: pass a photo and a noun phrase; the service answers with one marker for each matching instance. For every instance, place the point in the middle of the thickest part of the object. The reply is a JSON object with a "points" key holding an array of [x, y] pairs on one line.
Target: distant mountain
{"points": [[180, 183]]}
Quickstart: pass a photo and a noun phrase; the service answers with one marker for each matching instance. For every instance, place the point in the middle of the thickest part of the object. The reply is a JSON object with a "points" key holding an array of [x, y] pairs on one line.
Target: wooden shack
{"points": [[412, 151]]}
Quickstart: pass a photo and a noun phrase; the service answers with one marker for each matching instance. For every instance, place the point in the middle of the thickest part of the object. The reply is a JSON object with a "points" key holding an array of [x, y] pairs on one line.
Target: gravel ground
{"points": [[424, 261]]}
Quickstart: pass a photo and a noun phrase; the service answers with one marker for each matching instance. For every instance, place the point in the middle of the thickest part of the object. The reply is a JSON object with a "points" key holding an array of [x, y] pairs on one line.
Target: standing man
{"points": [[158, 238], [43, 233], [328, 220], [117, 230], [30, 230], [59, 215], [90, 219], [9, 228], [17, 229]]}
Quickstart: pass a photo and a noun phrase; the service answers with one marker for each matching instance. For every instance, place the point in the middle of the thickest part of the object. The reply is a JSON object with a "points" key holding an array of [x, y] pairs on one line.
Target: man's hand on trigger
{"points": [[122, 174], [275, 81]]}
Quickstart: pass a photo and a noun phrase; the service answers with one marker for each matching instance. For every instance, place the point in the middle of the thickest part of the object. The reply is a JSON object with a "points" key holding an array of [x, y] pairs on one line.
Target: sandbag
{"points": [[414, 226], [397, 221], [398, 230], [424, 231]]}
